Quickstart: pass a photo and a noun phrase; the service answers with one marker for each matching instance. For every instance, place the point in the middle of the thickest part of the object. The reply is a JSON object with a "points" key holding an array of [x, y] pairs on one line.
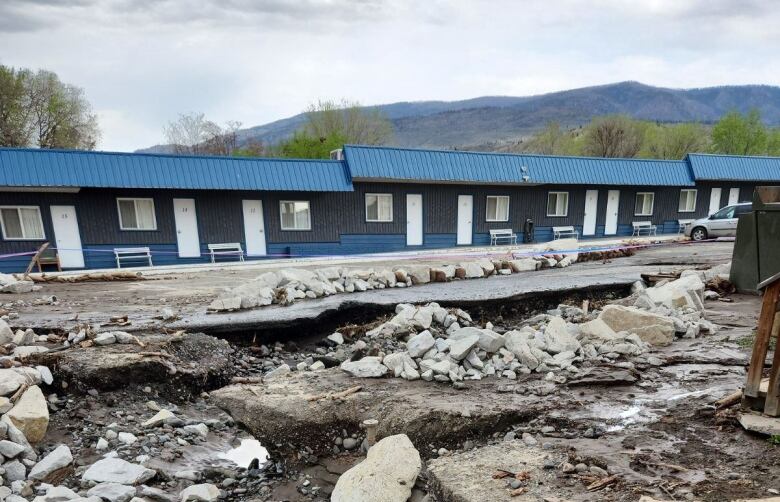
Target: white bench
{"points": [[683, 224], [559, 232], [226, 249], [641, 227], [501, 234], [132, 254]]}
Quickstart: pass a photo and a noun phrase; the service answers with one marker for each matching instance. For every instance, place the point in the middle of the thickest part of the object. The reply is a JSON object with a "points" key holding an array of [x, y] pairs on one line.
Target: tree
{"points": [[773, 143], [193, 134], [613, 136], [37, 109], [329, 125], [552, 140], [674, 142], [738, 134]]}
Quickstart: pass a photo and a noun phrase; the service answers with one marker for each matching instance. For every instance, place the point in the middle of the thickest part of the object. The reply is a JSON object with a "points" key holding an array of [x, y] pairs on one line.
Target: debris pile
{"points": [[288, 285]]}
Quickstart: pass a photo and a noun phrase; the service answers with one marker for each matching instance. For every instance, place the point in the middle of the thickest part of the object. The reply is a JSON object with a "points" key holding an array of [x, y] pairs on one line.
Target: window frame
{"points": [[281, 216], [365, 202], [135, 208], [695, 200], [652, 204], [547, 207], [21, 225], [497, 220]]}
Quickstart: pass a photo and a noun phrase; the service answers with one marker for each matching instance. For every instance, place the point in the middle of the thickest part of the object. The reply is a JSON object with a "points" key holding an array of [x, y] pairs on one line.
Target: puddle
{"points": [[243, 454]]}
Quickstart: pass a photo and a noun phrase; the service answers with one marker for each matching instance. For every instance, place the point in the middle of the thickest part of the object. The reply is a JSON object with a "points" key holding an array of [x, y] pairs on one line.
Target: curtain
{"points": [[144, 213], [31, 223], [127, 214], [386, 207], [11, 223]]}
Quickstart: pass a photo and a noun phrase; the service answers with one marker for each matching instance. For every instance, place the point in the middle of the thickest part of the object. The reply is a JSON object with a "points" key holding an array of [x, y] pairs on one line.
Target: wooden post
{"points": [[35, 259], [761, 344]]}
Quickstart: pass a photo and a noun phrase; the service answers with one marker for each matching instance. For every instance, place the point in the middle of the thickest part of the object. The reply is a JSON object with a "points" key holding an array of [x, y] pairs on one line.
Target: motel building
{"points": [[92, 207]]}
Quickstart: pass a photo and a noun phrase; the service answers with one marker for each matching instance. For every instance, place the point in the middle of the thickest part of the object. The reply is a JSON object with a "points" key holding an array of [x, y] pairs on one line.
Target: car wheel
{"points": [[699, 234]]}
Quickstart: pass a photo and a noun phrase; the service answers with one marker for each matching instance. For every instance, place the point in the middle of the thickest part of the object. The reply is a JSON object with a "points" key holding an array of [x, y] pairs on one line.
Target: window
{"points": [[136, 214], [21, 223], [295, 215], [724, 214], [557, 203], [687, 201], [497, 208], [743, 209], [379, 207], [644, 204]]}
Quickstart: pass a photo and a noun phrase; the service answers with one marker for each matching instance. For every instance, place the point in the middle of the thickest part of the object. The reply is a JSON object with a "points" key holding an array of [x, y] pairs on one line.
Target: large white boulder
{"points": [[58, 459], [386, 475], [116, 470], [30, 414], [651, 328], [6, 333], [419, 274], [205, 492], [112, 492], [469, 270], [420, 344], [368, 367], [524, 265], [557, 337], [397, 361], [10, 381]]}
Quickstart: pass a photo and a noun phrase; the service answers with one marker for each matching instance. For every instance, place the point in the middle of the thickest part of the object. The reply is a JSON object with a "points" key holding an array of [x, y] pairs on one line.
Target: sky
{"points": [[143, 62]]}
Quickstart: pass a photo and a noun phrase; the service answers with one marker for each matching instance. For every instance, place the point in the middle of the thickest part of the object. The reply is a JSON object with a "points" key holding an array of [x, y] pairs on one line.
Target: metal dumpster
{"points": [[756, 255]]}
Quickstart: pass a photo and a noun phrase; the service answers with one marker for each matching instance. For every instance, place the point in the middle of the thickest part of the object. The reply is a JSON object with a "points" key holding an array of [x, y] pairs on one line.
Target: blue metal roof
{"points": [[21, 167], [403, 164], [734, 167]]}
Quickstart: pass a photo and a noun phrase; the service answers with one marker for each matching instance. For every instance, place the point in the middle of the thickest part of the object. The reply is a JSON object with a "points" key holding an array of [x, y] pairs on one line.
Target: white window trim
{"points": [[281, 219], [508, 201], [652, 205], [134, 199], [377, 195], [40, 220], [695, 200], [565, 213]]}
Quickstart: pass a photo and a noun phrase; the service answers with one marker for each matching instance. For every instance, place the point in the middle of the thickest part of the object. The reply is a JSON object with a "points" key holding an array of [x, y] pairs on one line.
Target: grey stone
{"points": [[15, 471], [205, 492], [420, 344], [59, 458], [116, 470], [113, 492], [651, 328], [461, 347], [9, 449], [368, 367]]}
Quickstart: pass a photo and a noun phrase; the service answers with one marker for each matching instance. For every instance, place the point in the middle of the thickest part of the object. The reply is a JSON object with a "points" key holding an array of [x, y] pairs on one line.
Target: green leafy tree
{"points": [[552, 140], [674, 142], [773, 142], [330, 125], [38, 109], [739, 134], [613, 136]]}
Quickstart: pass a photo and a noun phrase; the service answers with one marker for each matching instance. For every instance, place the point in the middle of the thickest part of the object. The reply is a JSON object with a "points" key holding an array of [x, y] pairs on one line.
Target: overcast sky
{"points": [[141, 62]]}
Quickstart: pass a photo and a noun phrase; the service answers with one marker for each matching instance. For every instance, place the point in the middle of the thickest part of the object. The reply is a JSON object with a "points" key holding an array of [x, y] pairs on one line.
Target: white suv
{"points": [[720, 224]]}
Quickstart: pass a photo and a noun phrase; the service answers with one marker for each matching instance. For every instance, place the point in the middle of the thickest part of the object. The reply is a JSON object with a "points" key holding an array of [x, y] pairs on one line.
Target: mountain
{"points": [[487, 122]]}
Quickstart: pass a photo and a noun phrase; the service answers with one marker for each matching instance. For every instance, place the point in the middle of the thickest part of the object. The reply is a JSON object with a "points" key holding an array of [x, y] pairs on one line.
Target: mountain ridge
{"points": [[485, 121]]}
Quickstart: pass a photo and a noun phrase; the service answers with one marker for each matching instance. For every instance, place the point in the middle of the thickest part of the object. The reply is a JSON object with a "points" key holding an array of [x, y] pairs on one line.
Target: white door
{"points": [[67, 237], [733, 196], [414, 219], [186, 228], [465, 217], [611, 220], [591, 208], [254, 227], [714, 201]]}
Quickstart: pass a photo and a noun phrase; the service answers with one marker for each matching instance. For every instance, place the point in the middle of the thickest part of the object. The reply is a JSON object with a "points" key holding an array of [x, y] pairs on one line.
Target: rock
{"points": [[155, 494], [17, 287], [205, 492], [10, 381], [336, 338], [651, 328], [46, 376], [386, 475], [460, 347], [350, 443], [225, 304], [420, 344], [470, 270], [442, 274], [557, 338], [317, 365], [58, 459], [105, 338], [282, 369], [419, 274], [596, 331], [368, 367], [127, 438], [524, 265], [15, 471], [30, 414], [396, 362], [113, 492], [101, 445], [197, 429], [116, 470], [9, 449], [189, 475], [6, 333], [5, 405], [158, 419], [61, 494]]}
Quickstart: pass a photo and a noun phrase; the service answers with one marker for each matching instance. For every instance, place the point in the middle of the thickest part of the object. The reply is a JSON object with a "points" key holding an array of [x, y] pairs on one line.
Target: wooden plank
{"points": [[761, 344], [35, 259], [772, 400]]}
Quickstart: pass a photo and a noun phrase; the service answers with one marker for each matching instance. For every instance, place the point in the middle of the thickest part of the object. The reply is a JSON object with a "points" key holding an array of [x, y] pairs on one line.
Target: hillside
{"points": [[491, 120]]}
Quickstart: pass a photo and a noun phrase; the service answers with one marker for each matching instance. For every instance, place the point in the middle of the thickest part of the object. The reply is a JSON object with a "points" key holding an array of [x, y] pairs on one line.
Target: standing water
{"points": [[246, 452]]}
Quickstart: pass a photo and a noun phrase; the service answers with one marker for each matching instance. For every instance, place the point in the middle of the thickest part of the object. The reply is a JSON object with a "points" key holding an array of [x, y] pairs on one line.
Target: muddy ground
{"points": [[654, 428]]}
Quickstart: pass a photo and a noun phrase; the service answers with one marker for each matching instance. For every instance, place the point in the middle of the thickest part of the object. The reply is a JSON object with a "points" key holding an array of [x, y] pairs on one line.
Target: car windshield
{"points": [[724, 214]]}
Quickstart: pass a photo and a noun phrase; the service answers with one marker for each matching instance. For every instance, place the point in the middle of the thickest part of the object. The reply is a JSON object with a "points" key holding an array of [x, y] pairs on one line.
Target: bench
{"points": [[47, 256], [226, 249], [132, 254], [559, 232], [683, 224], [502, 233], [640, 227]]}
